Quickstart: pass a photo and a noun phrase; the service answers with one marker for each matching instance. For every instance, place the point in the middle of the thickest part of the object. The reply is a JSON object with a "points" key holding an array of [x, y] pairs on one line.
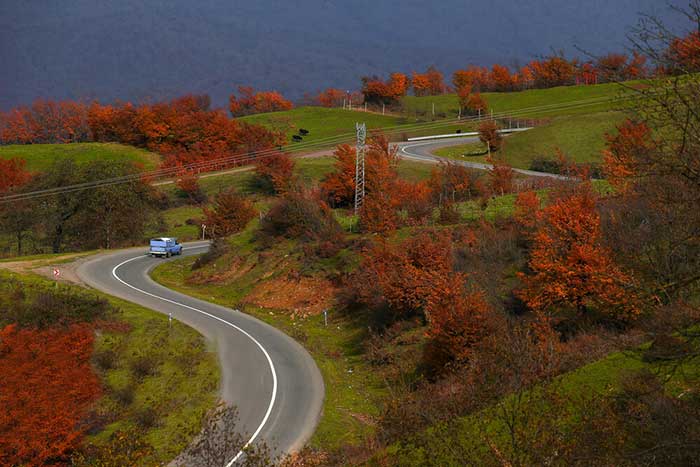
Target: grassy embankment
{"points": [[580, 137], [157, 378], [41, 156], [603, 377]]}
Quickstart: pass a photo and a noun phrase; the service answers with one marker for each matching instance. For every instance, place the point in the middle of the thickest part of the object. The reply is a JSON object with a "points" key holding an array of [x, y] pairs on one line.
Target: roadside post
{"points": [[56, 275], [325, 317], [170, 320], [204, 230]]}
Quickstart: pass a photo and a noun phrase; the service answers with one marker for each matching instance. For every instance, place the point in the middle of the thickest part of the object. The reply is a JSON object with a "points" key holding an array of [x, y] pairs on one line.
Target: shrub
{"points": [[217, 249], [275, 173], [230, 214], [300, 216]]}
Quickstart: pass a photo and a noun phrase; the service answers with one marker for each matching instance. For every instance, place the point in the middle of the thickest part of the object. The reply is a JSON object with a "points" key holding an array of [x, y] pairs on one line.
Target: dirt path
{"points": [[66, 264]]}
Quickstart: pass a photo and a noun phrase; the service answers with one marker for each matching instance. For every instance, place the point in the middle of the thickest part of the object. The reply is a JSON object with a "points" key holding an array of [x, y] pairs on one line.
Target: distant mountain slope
{"points": [[133, 49]]}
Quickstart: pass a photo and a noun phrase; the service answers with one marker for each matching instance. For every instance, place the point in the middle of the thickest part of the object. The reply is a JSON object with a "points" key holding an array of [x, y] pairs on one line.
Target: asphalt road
{"points": [[424, 151], [273, 380]]}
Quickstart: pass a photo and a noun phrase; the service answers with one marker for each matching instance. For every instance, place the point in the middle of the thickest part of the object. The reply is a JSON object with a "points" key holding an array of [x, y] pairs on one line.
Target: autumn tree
{"points": [[501, 78], [47, 389], [13, 174], [250, 102], [403, 277], [683, 54], [338, 187], [275, 172], [377, 91], [188, 183], [553, 71], [570, 267], [527, 212], [476, 78], [501, 176], [229, 214], [490, 135], [46, 121], [430, 83], [451, 183], [456, 321], [331, 97], [620, 67], [627, 152]]}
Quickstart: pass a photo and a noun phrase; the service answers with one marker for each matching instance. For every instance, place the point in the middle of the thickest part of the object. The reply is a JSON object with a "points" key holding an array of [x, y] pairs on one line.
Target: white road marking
{"points": [[269, 360]]}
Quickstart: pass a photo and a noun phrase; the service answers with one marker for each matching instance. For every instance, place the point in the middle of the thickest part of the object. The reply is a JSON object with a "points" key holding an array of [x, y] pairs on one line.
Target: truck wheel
{"points": [[167, 255]]}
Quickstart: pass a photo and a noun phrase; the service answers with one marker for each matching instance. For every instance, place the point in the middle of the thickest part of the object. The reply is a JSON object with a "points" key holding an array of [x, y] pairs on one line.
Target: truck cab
{"points": [[164, 247]]}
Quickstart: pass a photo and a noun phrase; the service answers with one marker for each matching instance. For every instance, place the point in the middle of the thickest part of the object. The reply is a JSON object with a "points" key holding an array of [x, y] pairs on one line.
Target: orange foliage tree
{"points": [[12, 174], [451, 183], [430, 83], [527, 210], [456, 320], [275, 173], [570, 267], [501, 78], [230, 213], [489, 134], [404, 276], [45, 121], [500, 176], [625, 151], [250, 102], [48, 385], [338, 187], [684, 54], [378, 91], [476, 78], [553, 71], [188, 183], [331, 97]]}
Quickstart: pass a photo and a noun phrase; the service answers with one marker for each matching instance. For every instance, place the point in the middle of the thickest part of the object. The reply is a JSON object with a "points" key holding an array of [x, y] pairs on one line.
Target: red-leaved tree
{"points": [[570, 268], [48, 385]]}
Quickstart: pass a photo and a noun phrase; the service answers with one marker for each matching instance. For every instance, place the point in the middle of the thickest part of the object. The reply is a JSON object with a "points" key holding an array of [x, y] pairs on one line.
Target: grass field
{"points": [[322, 123], [40, 156], [327, 125], [561, 100], [580, 137]]}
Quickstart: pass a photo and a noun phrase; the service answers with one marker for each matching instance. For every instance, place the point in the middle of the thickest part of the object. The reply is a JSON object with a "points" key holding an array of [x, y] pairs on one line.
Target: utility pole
{"points": [[361, 130]]}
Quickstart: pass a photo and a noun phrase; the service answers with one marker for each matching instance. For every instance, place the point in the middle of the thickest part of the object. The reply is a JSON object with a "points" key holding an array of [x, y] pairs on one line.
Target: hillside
{"points": [[534, 103], [40, 156], [581, 138]]}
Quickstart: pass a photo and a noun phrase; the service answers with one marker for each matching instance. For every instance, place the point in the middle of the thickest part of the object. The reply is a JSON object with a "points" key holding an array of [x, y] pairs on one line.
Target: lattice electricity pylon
{"points": [[361, 129]]}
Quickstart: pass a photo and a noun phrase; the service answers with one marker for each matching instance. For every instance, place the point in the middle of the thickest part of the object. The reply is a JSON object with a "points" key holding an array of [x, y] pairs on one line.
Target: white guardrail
{"points": [[461, 135]]}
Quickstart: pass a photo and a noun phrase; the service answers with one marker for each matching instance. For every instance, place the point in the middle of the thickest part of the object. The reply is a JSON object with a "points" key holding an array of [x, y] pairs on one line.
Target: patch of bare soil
{"points": [[299, 296]]}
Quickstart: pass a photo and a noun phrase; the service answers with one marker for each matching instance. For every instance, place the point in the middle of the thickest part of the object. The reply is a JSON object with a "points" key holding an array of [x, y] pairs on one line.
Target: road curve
{"points": [[273, 380], [424, 151]]}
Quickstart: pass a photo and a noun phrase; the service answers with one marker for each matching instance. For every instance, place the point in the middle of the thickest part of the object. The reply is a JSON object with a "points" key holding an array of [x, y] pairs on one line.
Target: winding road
{"points": [[424, 152], [269, 377]]}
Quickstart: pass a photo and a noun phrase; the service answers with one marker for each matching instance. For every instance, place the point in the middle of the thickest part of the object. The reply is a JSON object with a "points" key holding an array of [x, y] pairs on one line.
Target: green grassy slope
{"points": [[580, 137], [321, 122], [466, 434], [518, 101], [40, 156], [167, 403]]}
